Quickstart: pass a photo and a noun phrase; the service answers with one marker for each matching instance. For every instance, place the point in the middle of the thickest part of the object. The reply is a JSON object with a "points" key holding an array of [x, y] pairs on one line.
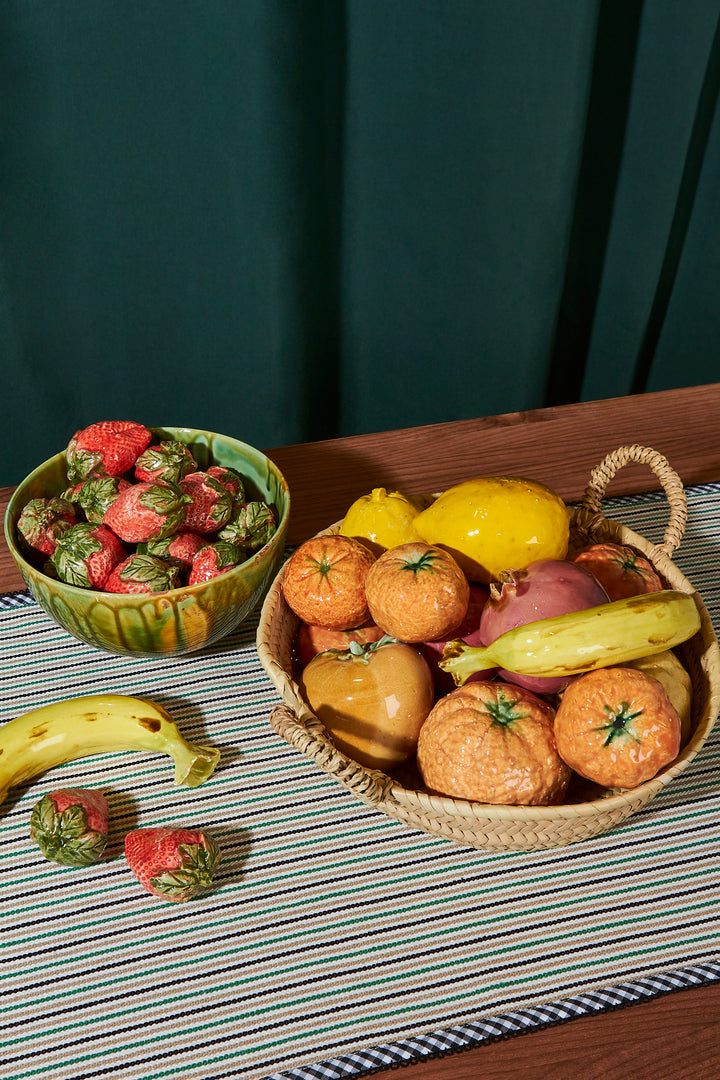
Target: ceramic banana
{"points": [[103, 723], [612, 633]]}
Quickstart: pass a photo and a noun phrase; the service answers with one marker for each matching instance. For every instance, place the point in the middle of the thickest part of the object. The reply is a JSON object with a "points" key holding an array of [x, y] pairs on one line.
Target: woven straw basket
{"points": [[492, 827]]}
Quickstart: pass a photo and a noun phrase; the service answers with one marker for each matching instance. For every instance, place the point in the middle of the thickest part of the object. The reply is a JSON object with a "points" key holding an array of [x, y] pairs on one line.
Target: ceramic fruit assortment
{"points": [[508, 669]]}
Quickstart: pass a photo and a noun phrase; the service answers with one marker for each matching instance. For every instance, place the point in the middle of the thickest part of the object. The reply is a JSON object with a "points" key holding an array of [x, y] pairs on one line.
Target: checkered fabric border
{"points": [[505, 1025]]}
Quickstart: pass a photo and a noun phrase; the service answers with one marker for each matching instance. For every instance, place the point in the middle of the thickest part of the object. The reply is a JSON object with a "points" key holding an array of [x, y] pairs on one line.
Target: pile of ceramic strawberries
{"points": [[140, 516]]}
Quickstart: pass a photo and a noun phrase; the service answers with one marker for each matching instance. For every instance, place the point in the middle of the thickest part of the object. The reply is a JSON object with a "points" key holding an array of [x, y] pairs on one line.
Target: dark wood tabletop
{"points": [[673, 1037]]}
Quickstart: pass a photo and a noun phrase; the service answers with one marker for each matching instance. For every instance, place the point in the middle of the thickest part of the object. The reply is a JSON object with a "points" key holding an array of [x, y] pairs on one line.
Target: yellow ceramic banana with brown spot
{"points": [[597, 637], [100, 723]]}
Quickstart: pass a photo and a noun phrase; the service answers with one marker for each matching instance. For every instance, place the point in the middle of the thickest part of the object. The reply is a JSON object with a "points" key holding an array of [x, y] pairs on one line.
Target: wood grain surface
{"points": [[673, 1037]]}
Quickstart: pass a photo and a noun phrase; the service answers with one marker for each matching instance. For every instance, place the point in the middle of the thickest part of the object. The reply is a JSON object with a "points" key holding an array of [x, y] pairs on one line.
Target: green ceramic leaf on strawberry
{"points": [[167, 460], [43, 520], [230, 479], [86, 554], [97, 493], [209, 505], [70, 826], [252, 525], [216, 559], [147, 510], [180, 548], [175, 864], [108, 448], [143, 574]]}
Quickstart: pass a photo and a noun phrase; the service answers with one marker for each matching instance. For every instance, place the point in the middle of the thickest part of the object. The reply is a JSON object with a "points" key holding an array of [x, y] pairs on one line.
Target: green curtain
{"points": [[288, 220]]}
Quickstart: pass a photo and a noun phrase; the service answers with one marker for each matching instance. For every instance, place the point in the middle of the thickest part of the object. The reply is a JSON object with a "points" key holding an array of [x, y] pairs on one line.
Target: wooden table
{"points": [[675, 1037]]}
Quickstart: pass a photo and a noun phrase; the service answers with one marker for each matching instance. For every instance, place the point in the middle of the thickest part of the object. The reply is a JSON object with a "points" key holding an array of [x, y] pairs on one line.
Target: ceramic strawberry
{"points": [[70, 826], [97, 493], [214, 560], [42, 521], [140, 573], [108, 448], [146, 511], [167, 460], [86, 554], [176, 864], [230, 479], [251, 525], [209, 504], [181, 548]]}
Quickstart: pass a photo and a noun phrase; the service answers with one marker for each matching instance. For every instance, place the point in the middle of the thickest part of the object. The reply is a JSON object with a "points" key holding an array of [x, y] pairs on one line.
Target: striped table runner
{"points": [[337, 940]]}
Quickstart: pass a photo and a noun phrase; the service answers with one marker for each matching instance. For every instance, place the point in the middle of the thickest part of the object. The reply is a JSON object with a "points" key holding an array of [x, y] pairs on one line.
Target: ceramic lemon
{"points": [[496, 523], [383, 519]]}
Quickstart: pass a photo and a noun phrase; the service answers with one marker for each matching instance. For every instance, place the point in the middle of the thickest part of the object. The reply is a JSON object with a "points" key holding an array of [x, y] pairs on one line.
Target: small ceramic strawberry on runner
{"points": [[70, 826], [175, 864], [108, 448]]}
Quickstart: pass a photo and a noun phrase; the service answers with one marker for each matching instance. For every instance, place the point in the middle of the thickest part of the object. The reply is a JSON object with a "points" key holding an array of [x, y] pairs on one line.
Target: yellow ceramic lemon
{"points": [[381, 520], [496, 523]]}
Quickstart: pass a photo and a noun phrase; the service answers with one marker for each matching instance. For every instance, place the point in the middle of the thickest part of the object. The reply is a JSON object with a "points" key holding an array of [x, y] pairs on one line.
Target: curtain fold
{"points": [[293, 219]]}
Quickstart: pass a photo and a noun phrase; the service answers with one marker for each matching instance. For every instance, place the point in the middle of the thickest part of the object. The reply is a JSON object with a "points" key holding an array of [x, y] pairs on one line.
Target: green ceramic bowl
{"points": [[181, 620]]}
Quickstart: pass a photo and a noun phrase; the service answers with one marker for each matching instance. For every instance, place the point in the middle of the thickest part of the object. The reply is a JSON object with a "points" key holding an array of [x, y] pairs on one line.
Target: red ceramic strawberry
{"points": [[230, 479], [173, 863], [108, 448], [96, 494], [43, 520], [214, 560], [86, 554], [181, 548], [209, 504], [252, 525], [147, 511], [70, 826], [143, 574], [168, 460]]}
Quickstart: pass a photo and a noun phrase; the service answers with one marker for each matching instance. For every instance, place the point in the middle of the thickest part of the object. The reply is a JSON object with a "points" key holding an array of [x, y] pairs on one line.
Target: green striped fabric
{"points": [[333, 930]]}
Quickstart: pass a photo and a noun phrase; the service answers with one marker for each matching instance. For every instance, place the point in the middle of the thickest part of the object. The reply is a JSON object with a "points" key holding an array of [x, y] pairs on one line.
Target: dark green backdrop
{"points": [[293, 219]]}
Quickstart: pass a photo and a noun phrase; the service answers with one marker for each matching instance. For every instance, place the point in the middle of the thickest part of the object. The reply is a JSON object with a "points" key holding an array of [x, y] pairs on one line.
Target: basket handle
{"points": [[603, 473], [308, 736]]}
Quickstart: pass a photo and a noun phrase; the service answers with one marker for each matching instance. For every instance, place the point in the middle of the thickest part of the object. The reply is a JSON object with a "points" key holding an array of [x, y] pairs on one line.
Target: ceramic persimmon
{"points": [[417, 592], [620, 569], [324, 581], [617, 727], [492, 742], [310, 640]]}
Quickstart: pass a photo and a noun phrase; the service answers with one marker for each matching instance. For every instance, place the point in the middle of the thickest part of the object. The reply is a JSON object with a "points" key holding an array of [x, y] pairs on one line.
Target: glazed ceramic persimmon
{"points": [[492, 742], [620, 569], [417, 592], [311, 640], [324, 581], [617, 727]]}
